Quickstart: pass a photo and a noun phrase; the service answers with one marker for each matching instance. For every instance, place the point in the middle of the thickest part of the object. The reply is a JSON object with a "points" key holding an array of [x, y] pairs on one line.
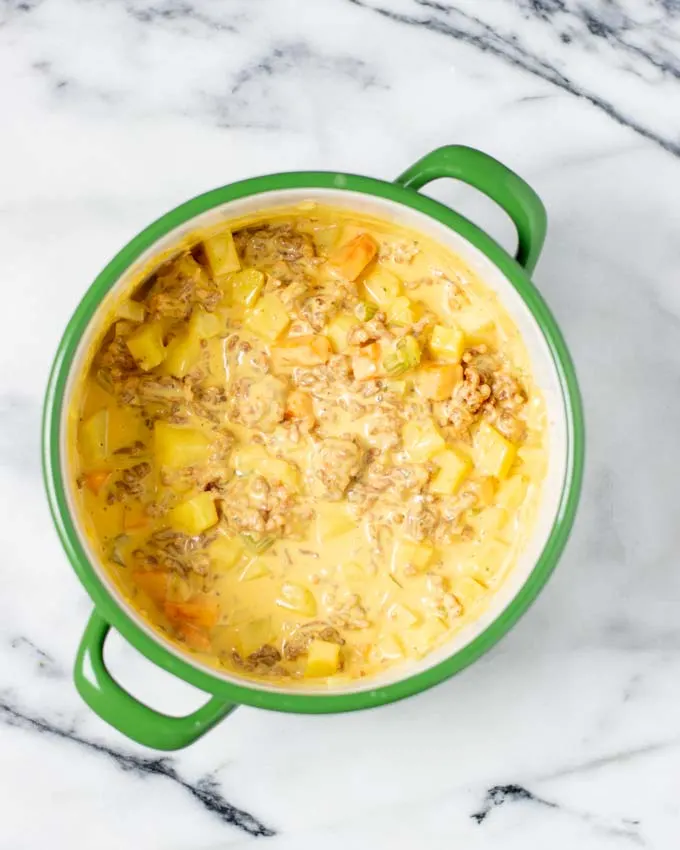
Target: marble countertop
{"points": [[568, 733]]}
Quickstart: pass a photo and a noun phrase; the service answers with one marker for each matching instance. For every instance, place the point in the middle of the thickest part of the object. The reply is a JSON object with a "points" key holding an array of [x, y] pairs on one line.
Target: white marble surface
{"points": [[568, 733]]}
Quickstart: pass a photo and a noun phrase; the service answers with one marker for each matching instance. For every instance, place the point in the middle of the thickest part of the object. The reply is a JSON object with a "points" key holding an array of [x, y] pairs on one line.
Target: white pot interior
{"points": [[545, 374]]}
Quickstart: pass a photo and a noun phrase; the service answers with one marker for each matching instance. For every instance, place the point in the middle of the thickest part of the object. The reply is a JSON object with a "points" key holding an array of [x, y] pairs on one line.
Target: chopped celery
{"points": [[364, 311], [405, 356], [257, 545]]}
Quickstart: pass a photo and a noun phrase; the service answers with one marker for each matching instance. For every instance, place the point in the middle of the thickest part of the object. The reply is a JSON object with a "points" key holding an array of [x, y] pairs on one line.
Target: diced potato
{"points": [[351, 571], [257, 568], [351, 259], [494, 455], [332, 520], [268, 318], [366, 364], [446, 343], [297, 597], [244, 287], [253, 635], [534, 462], [512, 492], [422, 639], [96, 479], [422, 440], [399, 388], [382, 288], [491, 520], [154, 583], [402, 617], [338, 329], [468, 591], [308, 350], [323, 658], [133, 311], [476, 324], [485, 488], [408, 555], [94, 437], [388, 648], [489, 560], [216, 362], [226, 551], [195, 515], [205, 325], [300, 405], [146, 345], [453, 468], [221, 253], [402, 311], [249, 459], [435, 381], [178, 447], [202, 611], [182, 354], [325, 238]]}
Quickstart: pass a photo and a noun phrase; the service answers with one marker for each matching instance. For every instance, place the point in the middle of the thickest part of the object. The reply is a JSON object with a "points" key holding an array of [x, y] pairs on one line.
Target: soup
{"points": [[309, 447]]}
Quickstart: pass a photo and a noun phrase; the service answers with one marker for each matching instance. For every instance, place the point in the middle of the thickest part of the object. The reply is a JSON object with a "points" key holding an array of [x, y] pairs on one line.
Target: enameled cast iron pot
{"points": [[401, 202]]}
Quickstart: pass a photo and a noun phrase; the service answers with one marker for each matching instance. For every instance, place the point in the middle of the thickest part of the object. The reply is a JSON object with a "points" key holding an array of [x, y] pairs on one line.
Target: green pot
{"points": [[399, 201]]}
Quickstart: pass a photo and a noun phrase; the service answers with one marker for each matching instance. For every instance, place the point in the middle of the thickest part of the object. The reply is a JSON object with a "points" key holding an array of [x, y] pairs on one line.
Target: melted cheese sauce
{"points": [[216, 484]]}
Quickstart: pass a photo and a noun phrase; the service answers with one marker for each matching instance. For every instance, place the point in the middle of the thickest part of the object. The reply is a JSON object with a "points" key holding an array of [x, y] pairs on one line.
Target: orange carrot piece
{"points": [[198, 612], [194, 637], [306, 350], [134, 519], [300, 406], [351, 259], [154, 583], [95, 480]]}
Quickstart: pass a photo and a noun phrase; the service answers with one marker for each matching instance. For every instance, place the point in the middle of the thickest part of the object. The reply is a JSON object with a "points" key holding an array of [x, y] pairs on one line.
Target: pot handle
{"points": [[122, 711], [496, 181]]}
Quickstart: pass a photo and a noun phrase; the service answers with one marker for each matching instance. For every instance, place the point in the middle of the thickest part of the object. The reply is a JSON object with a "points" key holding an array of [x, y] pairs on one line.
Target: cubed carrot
{"points": [[201, 611], [300, 406], [351, 259], [95, 480], [154, 583], [135, 518], [307, 350], [194, 637]]}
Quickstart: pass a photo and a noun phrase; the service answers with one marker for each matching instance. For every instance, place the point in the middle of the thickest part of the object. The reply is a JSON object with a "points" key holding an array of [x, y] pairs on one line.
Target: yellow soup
{"points": [[309, 447]]}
